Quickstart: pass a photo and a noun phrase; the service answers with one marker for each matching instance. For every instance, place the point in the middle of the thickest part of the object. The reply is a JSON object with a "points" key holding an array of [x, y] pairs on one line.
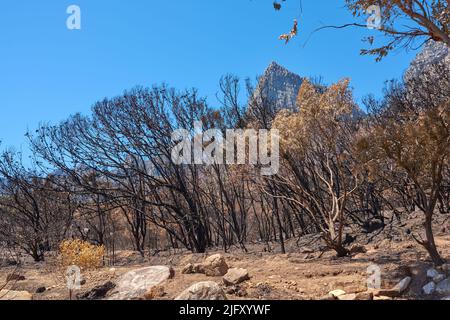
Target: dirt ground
{"points": [[302, 274]]}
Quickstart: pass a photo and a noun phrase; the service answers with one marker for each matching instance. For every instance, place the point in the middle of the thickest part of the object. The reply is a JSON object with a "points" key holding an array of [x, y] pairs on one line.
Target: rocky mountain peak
{"points": [[280, 86], [433, 52]]}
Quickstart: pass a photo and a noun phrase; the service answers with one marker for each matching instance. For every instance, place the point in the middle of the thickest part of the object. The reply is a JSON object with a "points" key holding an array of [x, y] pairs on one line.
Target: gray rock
{"points": [[135, 284], [431, 273], [235, 276], [429, 289], [207, 290], [443, 287], [403, 285]]}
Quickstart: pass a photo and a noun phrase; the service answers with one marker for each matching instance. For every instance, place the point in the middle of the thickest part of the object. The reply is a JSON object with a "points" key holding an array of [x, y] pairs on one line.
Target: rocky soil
{"points": [[303, 274]]}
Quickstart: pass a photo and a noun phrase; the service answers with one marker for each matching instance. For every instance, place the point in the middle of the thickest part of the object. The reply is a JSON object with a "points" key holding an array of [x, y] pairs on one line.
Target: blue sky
{"points": [[48, 72]]}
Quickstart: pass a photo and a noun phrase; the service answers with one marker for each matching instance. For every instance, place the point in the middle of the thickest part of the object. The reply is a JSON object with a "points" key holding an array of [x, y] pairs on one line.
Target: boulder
{"points": [[215, 266], [235, 276], [135, 284], [207, 290], [443, 287], [430, 288], [7, 295], [98, 292]]}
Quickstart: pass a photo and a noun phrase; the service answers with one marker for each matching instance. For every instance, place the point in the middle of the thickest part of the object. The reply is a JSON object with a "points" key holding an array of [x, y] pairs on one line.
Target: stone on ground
{"points": [[215, 266], [206, 290], [403, 285], [235, 276], [430, 288], [135, 284], [431, 273]]}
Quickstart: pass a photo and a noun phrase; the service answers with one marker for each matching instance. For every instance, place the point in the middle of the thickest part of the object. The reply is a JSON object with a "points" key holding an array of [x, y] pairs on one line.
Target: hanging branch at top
{"points": [[401, 22]]}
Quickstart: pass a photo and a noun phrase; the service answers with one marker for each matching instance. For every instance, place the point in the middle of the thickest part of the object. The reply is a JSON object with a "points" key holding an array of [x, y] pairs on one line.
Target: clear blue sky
{"points": [[48, 72]]}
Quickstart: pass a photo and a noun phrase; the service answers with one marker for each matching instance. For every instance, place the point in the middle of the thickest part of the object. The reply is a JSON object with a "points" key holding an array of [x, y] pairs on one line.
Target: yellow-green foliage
{"points": [[82, 254]]}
